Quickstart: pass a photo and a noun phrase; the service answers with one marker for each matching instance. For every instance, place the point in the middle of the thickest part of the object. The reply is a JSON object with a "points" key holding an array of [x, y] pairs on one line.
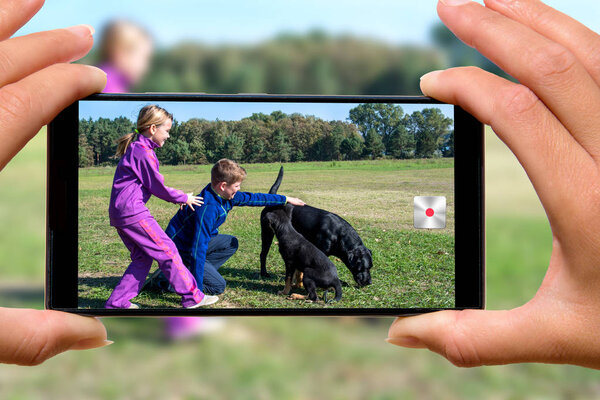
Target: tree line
{"points": [[311, 63], [373, 130]]}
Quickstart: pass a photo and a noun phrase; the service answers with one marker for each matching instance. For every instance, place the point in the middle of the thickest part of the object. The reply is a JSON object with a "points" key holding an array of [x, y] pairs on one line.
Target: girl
{"points": [[125, 53], [136, 179]]}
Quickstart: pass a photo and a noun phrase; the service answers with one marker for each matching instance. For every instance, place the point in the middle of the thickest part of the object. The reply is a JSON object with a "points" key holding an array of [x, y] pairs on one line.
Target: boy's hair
{"points": [[228, 171], [148, 116]]}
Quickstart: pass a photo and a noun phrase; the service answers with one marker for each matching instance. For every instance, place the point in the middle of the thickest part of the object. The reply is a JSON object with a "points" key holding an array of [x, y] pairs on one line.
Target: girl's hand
{"points": [[295, 201], [36, 82], [550, 121], [194, 201]]}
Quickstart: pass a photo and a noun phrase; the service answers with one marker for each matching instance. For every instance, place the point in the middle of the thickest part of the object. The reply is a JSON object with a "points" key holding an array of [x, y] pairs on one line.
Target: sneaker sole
{"points": [[205, 304]]}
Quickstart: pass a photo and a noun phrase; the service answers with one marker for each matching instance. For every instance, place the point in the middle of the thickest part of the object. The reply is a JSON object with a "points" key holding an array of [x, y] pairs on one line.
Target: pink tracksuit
{"points": [[136, 179]]}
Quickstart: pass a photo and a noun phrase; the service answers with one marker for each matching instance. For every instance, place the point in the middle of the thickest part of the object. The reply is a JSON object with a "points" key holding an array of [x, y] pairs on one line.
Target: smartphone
{"points": [[393, 187]]}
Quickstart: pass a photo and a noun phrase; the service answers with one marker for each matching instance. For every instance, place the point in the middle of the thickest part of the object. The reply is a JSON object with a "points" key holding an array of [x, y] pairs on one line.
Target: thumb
{"points": [[29, 337], [470, 338]]}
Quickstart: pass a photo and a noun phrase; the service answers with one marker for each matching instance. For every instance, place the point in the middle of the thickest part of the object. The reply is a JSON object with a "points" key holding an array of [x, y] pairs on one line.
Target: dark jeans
{"points": [[220, 249]]}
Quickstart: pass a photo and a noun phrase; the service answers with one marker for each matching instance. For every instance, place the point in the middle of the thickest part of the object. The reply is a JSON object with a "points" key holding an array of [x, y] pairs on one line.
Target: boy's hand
{"points": [[295, 201], [193, 201], [551, 123]]}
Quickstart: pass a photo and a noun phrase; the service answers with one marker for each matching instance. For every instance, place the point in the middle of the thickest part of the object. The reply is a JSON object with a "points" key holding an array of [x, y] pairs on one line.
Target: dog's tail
{"points": [[275, 186]]}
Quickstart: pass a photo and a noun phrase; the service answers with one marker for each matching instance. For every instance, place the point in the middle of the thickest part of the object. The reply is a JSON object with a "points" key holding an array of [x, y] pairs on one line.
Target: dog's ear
{"points": [[288, 211], [352, 256]]}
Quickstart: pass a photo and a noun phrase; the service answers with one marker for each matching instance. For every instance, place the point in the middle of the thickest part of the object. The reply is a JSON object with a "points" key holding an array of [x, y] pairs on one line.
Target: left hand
{"points": [[36, 83], [295, 201], [193, 201]]}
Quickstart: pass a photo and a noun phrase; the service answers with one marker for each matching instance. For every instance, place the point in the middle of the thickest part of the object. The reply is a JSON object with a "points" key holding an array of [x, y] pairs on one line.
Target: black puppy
{"points": [[329, 232], [302, 256]]}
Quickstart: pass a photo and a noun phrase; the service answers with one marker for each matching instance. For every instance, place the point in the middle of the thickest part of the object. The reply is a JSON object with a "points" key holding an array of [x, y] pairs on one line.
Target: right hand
{"points": [[550, 121], [194, 201]]}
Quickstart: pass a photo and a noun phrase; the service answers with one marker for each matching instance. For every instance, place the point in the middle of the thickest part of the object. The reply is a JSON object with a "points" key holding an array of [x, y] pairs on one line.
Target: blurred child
{"points": [[136, 179], [125, 51]]}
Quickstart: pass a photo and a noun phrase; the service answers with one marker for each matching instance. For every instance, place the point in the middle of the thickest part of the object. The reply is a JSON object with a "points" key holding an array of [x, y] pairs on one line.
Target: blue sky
{"points": [[182, 111], [243, 21]]}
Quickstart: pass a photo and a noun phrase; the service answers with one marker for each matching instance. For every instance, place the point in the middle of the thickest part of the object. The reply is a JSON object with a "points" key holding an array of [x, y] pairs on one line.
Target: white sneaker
{"points": [[208, 299], [133, 306]]}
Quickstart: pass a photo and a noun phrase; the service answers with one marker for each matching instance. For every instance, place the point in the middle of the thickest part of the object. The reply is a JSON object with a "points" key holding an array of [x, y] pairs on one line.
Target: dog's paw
{"points": [[296, 296]]}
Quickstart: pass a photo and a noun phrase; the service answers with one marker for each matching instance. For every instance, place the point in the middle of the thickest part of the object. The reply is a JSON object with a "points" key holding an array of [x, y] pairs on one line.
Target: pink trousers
{"points": [[147, 242]]}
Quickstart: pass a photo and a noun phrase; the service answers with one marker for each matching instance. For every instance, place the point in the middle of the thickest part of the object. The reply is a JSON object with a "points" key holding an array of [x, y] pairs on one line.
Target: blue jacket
{"points": [[192, 230]]}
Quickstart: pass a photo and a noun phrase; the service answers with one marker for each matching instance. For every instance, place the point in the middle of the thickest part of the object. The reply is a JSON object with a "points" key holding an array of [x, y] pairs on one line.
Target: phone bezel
{"points": [[61, 291]]}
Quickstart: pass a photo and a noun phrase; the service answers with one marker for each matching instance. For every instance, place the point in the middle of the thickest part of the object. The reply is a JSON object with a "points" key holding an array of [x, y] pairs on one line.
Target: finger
{"points": [[35, 335], [471, 338], [556, 26], [22, 56], [27, 105], [192, 207], [14, 14], [524, 123], [549, 69]]}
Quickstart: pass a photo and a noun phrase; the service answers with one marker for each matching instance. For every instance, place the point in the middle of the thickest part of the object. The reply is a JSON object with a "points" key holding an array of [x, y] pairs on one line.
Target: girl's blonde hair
{"points": [[148, 116], [121, 34]]}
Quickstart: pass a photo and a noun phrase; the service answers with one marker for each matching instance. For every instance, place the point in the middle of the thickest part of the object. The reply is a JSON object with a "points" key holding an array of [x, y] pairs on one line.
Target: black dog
{"points": [[326, 230], [302, 256]]}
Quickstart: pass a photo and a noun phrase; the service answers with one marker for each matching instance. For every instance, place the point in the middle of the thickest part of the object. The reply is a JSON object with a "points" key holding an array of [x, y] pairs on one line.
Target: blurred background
{"points": [[342, 47]]}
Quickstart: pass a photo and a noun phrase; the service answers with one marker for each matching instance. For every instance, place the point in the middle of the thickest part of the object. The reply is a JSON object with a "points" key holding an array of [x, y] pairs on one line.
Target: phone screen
{"points": [[379, 226]]}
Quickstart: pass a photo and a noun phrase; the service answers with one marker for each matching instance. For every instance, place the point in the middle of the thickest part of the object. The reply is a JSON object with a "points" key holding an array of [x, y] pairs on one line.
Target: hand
{"points": [[35, 84], [295, 201], [194, 201], [551, 123], [30, 337]]}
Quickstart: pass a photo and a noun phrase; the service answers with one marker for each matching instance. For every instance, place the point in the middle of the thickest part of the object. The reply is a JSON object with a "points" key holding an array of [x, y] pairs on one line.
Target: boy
{"points": [[196, 233]]}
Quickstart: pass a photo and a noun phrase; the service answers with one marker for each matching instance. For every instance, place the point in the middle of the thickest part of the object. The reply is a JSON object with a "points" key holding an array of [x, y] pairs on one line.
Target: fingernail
{"points": [[430, 74], [83, 30], [454, 2], [405, 341], [87, 344]]}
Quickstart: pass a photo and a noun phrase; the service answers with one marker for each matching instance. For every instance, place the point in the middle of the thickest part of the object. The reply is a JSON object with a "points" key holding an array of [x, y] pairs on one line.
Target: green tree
{"points": [[86, 156], [382, 118], [280, 149], [429, 128], [352, 147], [401, 143], [233, 147], [374, 147], [448, 146]]}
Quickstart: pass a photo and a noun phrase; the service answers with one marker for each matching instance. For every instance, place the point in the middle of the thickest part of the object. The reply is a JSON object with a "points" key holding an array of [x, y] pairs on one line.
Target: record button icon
{"points": [[429, 212]]}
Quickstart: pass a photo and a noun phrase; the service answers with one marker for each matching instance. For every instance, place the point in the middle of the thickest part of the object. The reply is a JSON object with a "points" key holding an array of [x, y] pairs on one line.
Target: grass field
{"points": [[283, 358], [412, 268]]}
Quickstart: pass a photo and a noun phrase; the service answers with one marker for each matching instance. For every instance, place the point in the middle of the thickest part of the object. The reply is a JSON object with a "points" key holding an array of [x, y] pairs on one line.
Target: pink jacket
{"points": [[136, 179]]}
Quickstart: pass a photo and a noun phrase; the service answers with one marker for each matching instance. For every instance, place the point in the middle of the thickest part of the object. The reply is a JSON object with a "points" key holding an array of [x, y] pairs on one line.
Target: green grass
{"points": [[281, 358], [412, 268]]}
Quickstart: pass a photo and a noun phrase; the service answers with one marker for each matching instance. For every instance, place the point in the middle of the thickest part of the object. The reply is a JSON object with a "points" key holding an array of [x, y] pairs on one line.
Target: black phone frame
{"points": [[61, 287]]}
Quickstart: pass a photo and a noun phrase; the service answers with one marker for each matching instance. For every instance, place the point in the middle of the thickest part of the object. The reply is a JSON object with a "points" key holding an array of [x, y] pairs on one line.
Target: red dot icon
{"points": [[429, 212]]}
